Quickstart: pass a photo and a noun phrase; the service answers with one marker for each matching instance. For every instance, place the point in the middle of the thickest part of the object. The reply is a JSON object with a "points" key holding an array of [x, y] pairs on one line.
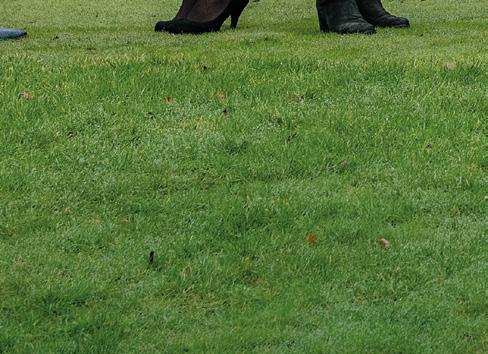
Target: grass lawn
{"points": [[261, 166]]}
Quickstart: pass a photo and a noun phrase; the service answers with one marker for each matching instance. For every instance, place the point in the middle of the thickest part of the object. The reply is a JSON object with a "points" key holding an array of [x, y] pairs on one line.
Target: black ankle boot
{"points": [[191, 24], [342, 16], [374, 12]]}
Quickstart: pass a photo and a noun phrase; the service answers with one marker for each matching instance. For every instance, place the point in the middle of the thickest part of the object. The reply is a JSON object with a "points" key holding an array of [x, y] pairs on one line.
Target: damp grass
{"points": [[226, 192]]}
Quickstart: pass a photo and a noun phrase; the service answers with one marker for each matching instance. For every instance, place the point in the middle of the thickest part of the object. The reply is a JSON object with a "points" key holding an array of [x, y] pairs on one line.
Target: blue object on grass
{"points": [[11, 33]]}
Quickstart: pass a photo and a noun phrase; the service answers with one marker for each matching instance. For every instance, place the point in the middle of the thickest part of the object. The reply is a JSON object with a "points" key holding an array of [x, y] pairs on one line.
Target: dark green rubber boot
{"points": [[342, 16], [374, 12]]}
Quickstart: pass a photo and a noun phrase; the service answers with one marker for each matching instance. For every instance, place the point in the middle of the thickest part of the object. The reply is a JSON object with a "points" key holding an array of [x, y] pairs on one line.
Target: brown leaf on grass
{"points": [[311, 239], [220, 96], [168, 100], [296, 97], [254, 281], [450, 66], [384, 243], [91, 49], [26, 96]]}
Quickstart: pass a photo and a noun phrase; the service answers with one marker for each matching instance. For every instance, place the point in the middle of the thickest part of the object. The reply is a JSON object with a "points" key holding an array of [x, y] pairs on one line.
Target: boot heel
{"points": [[236, 13]]}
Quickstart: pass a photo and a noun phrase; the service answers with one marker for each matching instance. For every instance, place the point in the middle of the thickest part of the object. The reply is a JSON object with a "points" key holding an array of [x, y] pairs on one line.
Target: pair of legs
{"points": [[341, 16]]}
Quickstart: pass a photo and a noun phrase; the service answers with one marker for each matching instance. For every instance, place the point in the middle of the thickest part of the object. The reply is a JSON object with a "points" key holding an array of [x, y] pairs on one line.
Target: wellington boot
{"points": [[342, 16], [374, 12]]}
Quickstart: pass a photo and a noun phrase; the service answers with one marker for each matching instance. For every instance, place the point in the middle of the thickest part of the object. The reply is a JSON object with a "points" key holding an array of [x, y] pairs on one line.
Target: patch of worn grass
{"points": [[221, 153]]}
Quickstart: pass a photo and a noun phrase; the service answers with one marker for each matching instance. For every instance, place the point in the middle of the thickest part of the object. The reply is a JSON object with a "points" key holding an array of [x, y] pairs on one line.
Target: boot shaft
{"points": [[374, 12], [341, 16], [371, 8], [185, 9], [207, 10]]}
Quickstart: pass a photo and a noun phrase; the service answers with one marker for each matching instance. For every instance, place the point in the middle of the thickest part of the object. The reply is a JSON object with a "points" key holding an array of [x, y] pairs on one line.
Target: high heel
{"points": [[188, 25]]}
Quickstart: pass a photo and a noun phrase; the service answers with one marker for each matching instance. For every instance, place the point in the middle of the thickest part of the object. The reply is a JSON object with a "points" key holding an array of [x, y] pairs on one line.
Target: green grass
{"points": [[273, 132]]}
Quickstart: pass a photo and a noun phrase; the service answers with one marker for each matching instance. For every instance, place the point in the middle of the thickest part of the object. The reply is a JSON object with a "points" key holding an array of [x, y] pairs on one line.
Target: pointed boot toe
{"points": [[162, 26]]}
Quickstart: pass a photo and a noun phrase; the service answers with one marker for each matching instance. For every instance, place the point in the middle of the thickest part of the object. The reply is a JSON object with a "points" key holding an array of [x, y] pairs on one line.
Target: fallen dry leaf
{"points": [[296, 97], [312, 239], [220, 96], [450, 66], [26, 96], [254, 281], [384, 243], [168, 100]]}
